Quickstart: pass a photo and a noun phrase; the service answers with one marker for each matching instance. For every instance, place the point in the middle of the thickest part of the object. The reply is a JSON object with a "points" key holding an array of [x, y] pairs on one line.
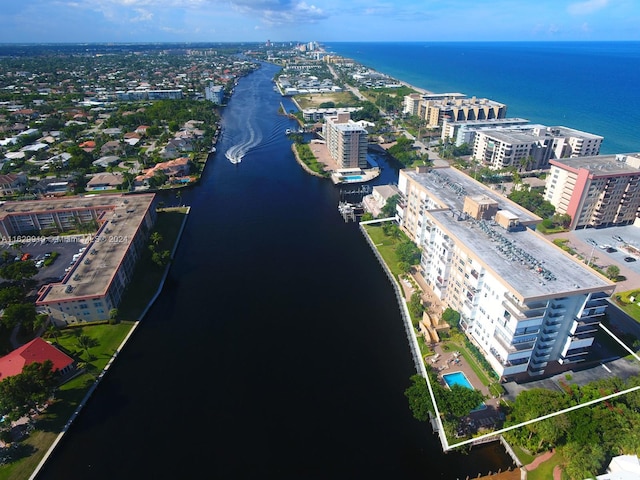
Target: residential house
{"points": [[12, 183], [174, 169], [176, 147], [105, 181], [113, 146], [36, 351]]}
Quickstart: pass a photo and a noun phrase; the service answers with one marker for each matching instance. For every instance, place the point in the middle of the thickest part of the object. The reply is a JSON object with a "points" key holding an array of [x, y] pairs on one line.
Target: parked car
{"points": [[25, 257], [618, 238], [611, 250], [629, 259]]}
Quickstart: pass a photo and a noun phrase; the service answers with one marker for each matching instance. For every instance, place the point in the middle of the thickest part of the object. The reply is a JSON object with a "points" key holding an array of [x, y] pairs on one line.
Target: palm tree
{"points": [[156, 238], [52, 331], [85, 342]]}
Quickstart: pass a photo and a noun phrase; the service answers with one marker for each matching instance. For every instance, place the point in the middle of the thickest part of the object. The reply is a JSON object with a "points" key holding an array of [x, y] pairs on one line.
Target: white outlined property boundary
{"points": [[423, 372]]}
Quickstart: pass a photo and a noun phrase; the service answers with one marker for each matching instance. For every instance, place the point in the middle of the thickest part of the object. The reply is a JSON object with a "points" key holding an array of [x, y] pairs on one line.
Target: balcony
{"points": [[515, 347]]}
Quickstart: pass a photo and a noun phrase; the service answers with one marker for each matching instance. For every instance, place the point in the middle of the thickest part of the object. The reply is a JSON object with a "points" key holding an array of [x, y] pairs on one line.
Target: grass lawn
{"points": [[69, 396], [108, 338], [148, 274], [386, 245], [625, 303], [545, 469], [523, 456]]}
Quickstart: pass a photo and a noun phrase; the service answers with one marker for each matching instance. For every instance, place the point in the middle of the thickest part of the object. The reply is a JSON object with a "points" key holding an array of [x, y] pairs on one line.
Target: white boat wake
{"points": [[235, 153]]}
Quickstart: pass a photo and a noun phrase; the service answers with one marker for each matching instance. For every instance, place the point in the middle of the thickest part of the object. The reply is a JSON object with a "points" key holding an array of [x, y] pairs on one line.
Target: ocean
{"points": [[589, 86]]}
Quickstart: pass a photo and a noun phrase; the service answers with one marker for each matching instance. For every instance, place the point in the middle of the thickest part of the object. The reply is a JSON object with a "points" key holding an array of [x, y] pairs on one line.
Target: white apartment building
{"points": [[530, 147], [596, 191], [464, 132], [214, 93], [346, 141], [411, 104], [529, 306]]}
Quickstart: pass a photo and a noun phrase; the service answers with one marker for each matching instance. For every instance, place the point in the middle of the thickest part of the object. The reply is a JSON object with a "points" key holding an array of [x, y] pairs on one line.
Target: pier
{"points": [[350, 210]]}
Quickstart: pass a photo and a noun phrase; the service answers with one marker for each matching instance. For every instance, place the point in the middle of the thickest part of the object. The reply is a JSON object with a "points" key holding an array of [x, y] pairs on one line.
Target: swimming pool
{"points": [[457, 378], [352, 178]]}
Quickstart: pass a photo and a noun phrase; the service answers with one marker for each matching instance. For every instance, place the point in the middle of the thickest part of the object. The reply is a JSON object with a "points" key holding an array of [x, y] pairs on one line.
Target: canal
{"points": [[276, 350]]}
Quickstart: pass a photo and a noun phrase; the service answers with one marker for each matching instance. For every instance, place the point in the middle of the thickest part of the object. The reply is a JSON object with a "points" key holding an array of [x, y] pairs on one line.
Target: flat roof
{"points": [[600, 164], [510, 136], [530, 264], [450, 186], [93, 272]]}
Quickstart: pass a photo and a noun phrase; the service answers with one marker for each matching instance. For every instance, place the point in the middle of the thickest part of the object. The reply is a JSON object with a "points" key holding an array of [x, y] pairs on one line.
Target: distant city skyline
{"points": [[72, 21]]}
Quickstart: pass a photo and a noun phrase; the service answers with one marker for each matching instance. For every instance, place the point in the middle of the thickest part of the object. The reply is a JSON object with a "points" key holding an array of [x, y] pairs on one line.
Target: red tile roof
{"points": [[37, 350]]}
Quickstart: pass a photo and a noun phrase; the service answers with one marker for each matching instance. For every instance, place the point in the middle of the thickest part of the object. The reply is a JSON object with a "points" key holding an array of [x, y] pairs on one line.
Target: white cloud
{"points": [[587, 7], [143, 16]]}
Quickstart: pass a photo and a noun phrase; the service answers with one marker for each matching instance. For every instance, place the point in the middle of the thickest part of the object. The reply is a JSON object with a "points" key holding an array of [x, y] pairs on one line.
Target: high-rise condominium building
{"points": [[529, 306], [596, 191], [346, 141]]}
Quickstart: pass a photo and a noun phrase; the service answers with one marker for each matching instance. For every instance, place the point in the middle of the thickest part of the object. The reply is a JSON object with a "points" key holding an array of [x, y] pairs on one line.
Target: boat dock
{"points": [[349, 211]]}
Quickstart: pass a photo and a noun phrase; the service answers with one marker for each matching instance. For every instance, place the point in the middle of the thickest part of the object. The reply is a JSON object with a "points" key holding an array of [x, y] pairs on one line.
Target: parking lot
{"points": [[610, 246], [66, 247]]}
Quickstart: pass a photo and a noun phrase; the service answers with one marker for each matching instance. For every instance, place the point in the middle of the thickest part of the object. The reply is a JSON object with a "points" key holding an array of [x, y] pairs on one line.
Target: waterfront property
{"points": [[530, 307], [346, 141], [596, 191], [95, 282]]}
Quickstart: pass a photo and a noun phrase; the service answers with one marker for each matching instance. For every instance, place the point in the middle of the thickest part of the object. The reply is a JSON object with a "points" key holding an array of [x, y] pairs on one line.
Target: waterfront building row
{"points": [[529, 306]]}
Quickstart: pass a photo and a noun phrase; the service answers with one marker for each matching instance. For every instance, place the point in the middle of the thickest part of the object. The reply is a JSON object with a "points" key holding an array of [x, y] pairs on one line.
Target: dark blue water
{"points": [[276, 350], [590, 86]]}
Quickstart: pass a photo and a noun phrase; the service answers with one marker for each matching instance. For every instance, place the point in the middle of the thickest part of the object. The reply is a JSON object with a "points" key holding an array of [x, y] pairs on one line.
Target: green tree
{"points": [[389, 209], [415, 306], [583, 461], [161, 258], [155, 238], [19, 271], [11, 294], [19, 394], [451, 316], [613, 271], [458, 401], [19, 314], [408, 252], [85, 342], [419, 399]]}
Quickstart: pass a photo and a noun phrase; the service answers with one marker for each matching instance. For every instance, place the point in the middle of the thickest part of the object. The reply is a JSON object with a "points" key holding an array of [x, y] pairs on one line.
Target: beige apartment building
{"points": [[346, 141], [435, 109], [97, 279], [596, 191], [529, 306]]}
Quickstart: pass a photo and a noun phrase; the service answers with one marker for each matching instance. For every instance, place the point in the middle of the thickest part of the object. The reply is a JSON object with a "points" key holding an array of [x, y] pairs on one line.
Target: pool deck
{"points": [[445, 361]]}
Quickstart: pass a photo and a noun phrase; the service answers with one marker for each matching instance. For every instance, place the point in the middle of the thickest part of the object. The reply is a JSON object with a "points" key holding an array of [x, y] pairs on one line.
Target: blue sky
{"points": [[319, 20]]}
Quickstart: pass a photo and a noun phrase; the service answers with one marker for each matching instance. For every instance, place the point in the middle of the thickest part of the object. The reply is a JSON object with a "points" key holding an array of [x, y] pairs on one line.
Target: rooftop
{"points": [[626, 163], [531, 265], [450, 186], [93, 272]]}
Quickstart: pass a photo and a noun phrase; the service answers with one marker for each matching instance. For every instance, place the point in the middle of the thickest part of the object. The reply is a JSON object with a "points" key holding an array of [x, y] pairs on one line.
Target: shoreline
{"points": [[113, 358]]}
